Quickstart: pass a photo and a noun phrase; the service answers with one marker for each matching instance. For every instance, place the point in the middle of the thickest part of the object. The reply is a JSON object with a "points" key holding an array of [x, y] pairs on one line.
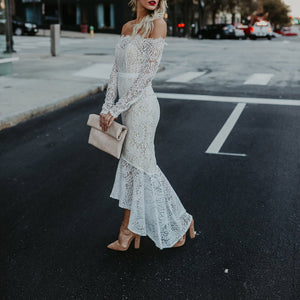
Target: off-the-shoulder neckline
{"points": [[146, 39]]}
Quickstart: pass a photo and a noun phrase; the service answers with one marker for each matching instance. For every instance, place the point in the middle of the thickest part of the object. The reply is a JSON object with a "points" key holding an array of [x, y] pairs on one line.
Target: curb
{"points": [[13, 120]]}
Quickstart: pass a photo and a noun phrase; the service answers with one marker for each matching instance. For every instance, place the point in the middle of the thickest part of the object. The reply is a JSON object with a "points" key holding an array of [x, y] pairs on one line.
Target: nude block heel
{"points": [[192, 230], [137, 242], [125, 239]]}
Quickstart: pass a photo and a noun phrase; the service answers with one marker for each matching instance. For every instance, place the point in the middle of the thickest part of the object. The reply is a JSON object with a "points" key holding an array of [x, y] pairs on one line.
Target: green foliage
{"points": [[247, 8], [278, 12]]}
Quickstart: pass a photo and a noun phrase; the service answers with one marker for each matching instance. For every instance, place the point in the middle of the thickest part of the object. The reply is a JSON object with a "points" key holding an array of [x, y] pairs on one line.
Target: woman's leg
{"points": [[125, 236], [126, 217]]}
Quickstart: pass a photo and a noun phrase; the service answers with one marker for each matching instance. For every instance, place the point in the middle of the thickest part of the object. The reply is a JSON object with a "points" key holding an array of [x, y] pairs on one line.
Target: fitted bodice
{"points": [[135, 56], [129, 54]]}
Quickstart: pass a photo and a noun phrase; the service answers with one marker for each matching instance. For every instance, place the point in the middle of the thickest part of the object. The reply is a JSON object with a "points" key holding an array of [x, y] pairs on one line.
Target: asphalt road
{"points": [[56, 216]]}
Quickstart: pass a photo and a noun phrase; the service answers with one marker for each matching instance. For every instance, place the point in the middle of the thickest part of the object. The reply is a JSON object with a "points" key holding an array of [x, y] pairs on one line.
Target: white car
{"points": [[261, 29], [239, 34]]}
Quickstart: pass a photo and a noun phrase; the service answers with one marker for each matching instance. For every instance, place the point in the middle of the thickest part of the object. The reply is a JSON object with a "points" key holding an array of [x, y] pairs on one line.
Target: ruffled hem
{"points": [[156, 210]]}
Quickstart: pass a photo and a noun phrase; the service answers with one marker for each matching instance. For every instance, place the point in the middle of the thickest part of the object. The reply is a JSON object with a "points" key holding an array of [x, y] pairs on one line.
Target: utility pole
{"points": [[8, 28], [59, 12], [175, 22]]}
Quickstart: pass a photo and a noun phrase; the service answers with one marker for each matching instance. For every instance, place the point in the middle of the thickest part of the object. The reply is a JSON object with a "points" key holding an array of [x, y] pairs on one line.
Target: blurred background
{"points": [[185, 18], [228, 140]]}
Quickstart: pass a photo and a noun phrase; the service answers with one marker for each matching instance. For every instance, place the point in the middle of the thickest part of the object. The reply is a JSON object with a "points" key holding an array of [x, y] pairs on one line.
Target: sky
{"points": [[295, 7]]}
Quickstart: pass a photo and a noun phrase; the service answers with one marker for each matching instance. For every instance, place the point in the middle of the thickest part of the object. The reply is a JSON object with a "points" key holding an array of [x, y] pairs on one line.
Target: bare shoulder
{"points": [[159, 29], [127, 28], [160, 22]]}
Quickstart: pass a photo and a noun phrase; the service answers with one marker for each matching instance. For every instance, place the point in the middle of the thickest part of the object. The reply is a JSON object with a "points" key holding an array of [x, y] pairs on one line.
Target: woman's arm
{"points": [[111, 94], [152, 51], [112, 90]]}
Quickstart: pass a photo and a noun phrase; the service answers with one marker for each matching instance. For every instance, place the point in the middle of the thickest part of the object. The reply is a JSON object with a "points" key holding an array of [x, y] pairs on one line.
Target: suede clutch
{"points": [[110, 141]]}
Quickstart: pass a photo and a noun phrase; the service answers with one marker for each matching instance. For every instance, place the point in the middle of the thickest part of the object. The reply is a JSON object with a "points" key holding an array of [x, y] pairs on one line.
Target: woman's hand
{"points": [[106, 120]]}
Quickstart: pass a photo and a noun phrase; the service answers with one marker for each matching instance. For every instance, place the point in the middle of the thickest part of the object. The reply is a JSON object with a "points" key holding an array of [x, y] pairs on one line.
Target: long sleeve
{"points": [[152, 52], [112, 90]]}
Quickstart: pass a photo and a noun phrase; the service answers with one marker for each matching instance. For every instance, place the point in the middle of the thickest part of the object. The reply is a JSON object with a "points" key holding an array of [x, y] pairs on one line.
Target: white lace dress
{"points": [[140, 185]]}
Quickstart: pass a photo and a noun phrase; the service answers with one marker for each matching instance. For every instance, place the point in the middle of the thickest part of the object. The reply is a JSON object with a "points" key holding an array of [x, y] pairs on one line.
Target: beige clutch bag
{"points": [[110, 141]]}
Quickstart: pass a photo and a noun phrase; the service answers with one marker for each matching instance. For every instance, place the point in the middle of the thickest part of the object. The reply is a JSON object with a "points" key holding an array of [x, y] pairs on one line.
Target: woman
{"points": [[151, 206]]}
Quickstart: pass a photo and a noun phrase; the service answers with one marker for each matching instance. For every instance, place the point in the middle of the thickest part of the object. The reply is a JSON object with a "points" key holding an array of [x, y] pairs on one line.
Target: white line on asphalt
{"points": [[185, 77], [230, 154], [225, 99], [259, 79], [223, 134]]}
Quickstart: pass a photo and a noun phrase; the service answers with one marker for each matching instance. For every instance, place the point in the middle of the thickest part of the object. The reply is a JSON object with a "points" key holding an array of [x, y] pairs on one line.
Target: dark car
{"points": [[218, 31], [20, 27]]}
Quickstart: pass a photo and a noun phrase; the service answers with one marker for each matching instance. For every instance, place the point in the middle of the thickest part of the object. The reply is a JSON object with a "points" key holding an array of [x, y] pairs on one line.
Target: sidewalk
{"points": [[68, 34], [40, 83]]}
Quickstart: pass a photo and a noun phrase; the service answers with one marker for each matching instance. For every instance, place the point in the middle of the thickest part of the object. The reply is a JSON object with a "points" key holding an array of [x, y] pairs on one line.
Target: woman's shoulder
{"points": [[160, 22], [127, 27], [159, 28]]}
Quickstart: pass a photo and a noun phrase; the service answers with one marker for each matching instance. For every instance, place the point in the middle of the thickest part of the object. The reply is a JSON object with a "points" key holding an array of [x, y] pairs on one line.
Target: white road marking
{"points": [[225, 131], [185, 77], [259, 79], [288, 102], [96, 71], [221, 137], [230, 154]]}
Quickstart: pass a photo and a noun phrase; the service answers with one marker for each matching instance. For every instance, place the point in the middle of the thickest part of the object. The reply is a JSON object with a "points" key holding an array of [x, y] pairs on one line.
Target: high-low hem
{"points": [[155, 209]]}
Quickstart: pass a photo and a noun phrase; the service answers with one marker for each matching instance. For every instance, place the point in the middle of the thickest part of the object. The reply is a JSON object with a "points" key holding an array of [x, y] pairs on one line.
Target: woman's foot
{"points": [[181, 242], [191, 230], [125, 236], [124, 240]]}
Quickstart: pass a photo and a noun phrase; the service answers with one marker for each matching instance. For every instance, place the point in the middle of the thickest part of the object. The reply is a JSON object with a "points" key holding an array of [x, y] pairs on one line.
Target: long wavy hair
{"points": [[146, 25]]}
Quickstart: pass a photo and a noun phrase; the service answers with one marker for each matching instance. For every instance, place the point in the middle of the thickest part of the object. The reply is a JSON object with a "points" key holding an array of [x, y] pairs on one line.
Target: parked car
{"points": [[286, 31], [261, 29], [243, 27], [239, 34], [218, 31], [20, 27]]}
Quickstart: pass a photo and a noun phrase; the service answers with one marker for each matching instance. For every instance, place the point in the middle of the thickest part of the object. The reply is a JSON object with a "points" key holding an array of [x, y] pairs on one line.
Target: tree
{"points": [[244, 7], [201, 13], [278, 12], [231, 6], [247, 8], [214, 7]]}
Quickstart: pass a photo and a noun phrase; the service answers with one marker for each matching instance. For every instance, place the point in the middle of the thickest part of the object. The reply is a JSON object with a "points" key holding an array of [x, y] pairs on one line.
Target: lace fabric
{"points": [[155, 208], [143, 56], [140, 185], [112, 89]]}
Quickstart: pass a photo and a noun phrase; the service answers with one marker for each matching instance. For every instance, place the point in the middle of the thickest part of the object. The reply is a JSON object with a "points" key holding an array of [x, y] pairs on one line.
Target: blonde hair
{"points": [[146, 25]]}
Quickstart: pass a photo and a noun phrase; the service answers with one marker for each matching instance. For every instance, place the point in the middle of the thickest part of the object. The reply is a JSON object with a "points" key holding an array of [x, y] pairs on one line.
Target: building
{"points": [[224, 17], [103, 15]]}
